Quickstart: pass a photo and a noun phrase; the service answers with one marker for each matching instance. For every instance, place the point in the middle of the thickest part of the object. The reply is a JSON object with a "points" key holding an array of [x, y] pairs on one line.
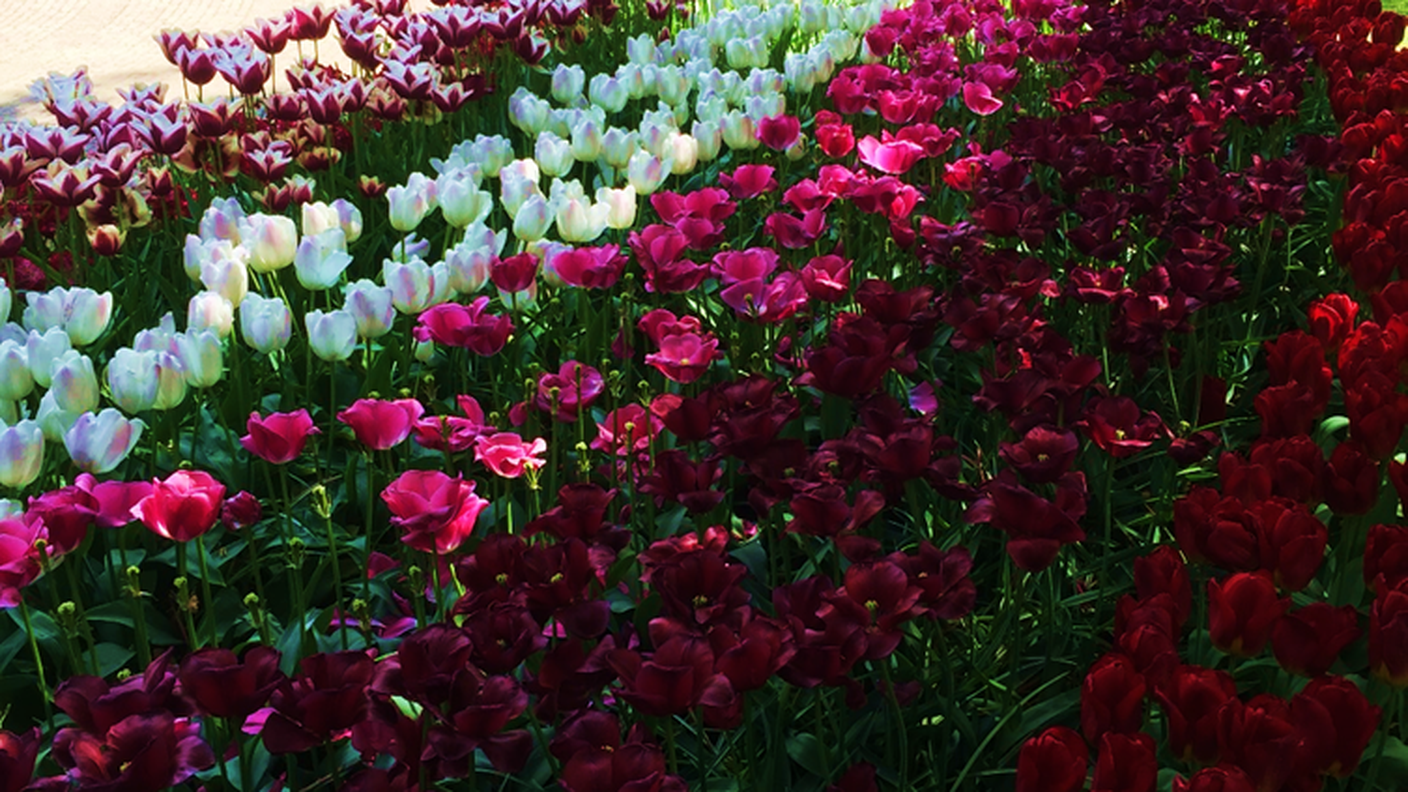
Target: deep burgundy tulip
{"points": [[148, 751], [183, 506], [1242, 609], [425, 664], [1190, 703], [1036, 528], [1219, 530], [382, 424], [678, 676], [1307, 641], [1126, 763], [226, 687], [1111, 698], [1223, 778], [1164, 571], [67, 514], [878, 598], [1386, 556], [946, 591], [1053, 761], [240, 511], [1043, 455], [1258, 736], [1388, 635], [329, 697], [17, 754], [1292, 542], [280, 437], [1335, 722]]}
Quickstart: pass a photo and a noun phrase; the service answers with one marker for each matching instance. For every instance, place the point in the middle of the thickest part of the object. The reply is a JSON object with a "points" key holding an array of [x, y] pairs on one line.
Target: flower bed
{"points": [[955, 396]]}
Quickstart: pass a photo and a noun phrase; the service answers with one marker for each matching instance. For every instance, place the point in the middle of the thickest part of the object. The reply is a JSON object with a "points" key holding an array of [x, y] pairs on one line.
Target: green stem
{"points": [[38, 660], [1393, 713], [71, 570], [903, 732], [336, 578], [183, 589], [205, 592]]}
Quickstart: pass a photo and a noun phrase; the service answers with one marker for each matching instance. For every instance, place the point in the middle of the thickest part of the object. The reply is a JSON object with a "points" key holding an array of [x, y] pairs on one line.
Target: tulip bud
{"points": [[16, 379], [332, 335], [44, 309], [221, 220], [40, 350], [21, 454], [461, 201], [586, 140], [271, 241], [266, 324], [683, 152], [371, 307], [567, 84], [320, 217], [321, 259], [75, 386], [106, 239], [533, 219], [618, 146], [739, 131], [210, 311], [527, 112], [200, 354], [132, 379], [579, 220], [468, 263]]}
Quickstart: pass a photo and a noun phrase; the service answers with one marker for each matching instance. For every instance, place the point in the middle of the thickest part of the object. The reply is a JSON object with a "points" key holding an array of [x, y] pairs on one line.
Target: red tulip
{"points": [[1388, 635], [382, 424], [1242, 609], [1126, 764], [1223, 778], [280, 437], [1335, 722], [1191, 701], [1053, 761], [1307, 641], [229, 688], [1111, 698], [182, 507]]}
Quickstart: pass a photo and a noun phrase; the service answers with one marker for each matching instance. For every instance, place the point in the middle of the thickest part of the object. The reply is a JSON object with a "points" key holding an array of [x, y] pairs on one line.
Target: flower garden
{"points": [[823, 395]]}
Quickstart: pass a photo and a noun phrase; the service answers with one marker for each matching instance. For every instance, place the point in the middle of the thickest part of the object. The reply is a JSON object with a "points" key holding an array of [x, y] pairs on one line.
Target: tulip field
{"points": [[664, 395]]}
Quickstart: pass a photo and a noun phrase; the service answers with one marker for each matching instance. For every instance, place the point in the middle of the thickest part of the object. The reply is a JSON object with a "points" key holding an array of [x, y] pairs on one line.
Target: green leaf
{"points": [[111, 657], [805, 749]]}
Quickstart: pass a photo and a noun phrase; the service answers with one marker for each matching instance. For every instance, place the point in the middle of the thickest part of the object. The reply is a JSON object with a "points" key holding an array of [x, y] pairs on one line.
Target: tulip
{"points": [[208, 310], [415, 285], [280, 437], [321, 259], [271, 240], [54, 420], [1053, 761], [682, 151], [469, 265], [228, 277], [517, 181], [16, 378], [5, 300], [75, 386], [608, 93], [412, 202], [621, 206], [461, 201], [201, 356], [708, 137], [586, 139], [41, 349], [381, 425], [618, 146], [320, 217], [183, 506], [568, 83], [171, 381], [1242, 610], [533, 219], [132, 379], [332, 335], [21, 454], [507, 455], [646, 173], [435, 512], [221, 220], [371, 306], [739, 131], [44, 309], [579, 220], [98, 443], [528, 112], [266, 324], [553, 154]]}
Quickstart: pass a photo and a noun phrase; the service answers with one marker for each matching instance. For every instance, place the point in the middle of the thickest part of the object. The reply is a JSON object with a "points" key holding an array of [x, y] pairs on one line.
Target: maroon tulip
{"points": [[1386, 556], [1043, 455], [17, 754], [225, 687], [425, 664], [1190, 703], [1126, 764], [1111, 698], [1258, 736], [1242, 609], [1217, 530], [382, 424], [1053, 761], [149, 751], [240, 511], [183, 506], [946, 591], [678, 676], [1292, 542], [1335, 722], [1351, 480], [1223, 778], [878, 598], [1308, 640], [329, 697], [280, 437], [1164, 571], [752, 655], [1036, 528], [1388, 635], [1116, 426]]}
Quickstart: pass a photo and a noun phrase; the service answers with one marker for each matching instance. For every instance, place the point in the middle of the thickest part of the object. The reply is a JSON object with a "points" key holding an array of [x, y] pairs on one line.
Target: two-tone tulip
{"points": [[97, 443], [371, 308], [332, 335], [21, 454], [74, 383], [266, 324]]}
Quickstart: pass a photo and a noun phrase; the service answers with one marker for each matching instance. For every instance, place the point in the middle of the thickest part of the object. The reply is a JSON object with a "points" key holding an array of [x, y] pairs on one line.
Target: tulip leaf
{"points": [[1395, 766], [112, 657], [805, 750], [10, 647]]}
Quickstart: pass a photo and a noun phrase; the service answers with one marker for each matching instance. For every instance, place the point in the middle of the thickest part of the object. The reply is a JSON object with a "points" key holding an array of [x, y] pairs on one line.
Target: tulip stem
{"points": [[336, 578], [367, 538], [38, 660], [73, 584], [205, 591], [899, 722], [182, 591], [1395, 713]]}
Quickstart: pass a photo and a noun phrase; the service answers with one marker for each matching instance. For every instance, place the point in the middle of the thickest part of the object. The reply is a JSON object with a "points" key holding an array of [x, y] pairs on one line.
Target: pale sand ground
{"points": [[113, 38]]}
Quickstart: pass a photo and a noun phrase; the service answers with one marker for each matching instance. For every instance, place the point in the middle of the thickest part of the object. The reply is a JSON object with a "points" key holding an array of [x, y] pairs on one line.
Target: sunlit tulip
{"points": [[568, 83], [53, 420], [21, 454], [412, 202], [210, 311], [533, 219], [266, 324], [44, 310], [221, 220], [618, 146], [553, 154], [98, 443], [527, 112], [608, 93], [321, 259], [708, 138], [492, 153], [414, 284], [586, 139], [201, 356], [319, 217], [371, 308], [739, 131], [579, 220], [468, 263], [75, 385], [170, 381], [227, 277], [646, 173], [271, 241], [517, 181], [682, 151], [332, 335], [16, 379], [461, 201], [632, 76], [41, 349], [132, 379]]}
